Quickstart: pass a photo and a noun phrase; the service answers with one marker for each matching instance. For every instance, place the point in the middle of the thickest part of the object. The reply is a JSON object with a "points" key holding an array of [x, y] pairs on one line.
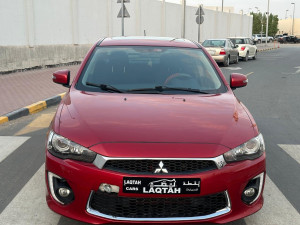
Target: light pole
{"points": [[286, 13], [267, 27], [183, 17], [222, 5], [293, 18], [256, 9], [262, 28]]}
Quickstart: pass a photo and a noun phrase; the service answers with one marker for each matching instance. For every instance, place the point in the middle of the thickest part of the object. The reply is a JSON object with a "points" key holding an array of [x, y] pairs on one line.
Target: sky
{"points": [[277, 7]]}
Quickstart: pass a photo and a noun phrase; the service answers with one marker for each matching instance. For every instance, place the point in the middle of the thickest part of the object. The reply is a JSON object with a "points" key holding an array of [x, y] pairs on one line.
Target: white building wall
{"points": [[31, 25]]}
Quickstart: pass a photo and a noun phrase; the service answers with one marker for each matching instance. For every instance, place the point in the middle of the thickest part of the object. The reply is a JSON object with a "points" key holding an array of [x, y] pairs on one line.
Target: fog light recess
{"points": [[253, 189], [60, 189], [109, 188]]}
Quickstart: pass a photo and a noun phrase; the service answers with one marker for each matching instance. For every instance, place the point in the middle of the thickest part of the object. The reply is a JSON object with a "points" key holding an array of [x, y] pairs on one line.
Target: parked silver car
{"points": [[222, 50]]}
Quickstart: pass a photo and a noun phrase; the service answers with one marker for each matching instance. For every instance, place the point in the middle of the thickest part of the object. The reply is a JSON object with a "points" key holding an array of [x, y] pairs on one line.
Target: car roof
{"points": [[216, 39], [238, 37], [148, 41]]}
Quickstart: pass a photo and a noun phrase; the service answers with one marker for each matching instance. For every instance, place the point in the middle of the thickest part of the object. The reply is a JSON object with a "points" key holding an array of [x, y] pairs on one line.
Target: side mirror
{"points": [[62, 77], [236, 46], [238, 80]]}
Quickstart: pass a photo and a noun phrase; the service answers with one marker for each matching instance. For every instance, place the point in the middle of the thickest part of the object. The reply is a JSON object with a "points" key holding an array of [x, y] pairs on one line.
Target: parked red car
{"points": [[151, 132]]}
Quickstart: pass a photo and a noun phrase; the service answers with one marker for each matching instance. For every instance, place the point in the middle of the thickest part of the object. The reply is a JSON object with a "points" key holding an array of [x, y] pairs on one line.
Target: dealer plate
{"points": [[139, 185]]}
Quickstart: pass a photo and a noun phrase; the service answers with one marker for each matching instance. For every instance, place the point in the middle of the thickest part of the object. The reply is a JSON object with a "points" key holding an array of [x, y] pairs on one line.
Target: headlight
{"points": [[250, 150], [65, 149]]}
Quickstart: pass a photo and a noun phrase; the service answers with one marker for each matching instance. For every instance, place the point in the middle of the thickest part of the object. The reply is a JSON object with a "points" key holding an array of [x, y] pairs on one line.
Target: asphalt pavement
{"points": [[272, 96]]}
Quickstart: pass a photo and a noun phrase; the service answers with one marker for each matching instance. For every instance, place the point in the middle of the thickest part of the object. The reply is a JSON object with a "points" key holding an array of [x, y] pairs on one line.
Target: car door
{"points": [[233, 51], [250, 46]]}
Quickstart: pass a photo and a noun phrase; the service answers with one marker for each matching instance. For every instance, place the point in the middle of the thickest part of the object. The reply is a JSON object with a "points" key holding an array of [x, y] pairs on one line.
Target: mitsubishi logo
{"points": [[161, 169]]}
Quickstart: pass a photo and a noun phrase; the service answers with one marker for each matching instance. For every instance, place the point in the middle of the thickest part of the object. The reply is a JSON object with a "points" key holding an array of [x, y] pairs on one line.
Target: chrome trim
{"points": [[261, 181], [50, 182], [101, 160], [227, 209], [49, 140]]}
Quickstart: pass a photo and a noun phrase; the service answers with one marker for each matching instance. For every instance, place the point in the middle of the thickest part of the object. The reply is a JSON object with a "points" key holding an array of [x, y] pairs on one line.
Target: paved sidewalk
{"points": [[20, 89]]}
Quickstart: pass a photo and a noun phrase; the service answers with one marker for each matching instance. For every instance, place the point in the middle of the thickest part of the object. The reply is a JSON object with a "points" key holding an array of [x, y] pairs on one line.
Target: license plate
{"points": [[139, 185]]}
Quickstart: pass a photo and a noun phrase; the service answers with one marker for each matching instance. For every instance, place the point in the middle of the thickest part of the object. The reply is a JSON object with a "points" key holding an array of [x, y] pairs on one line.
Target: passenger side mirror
{"points": [[238, 80], [62, 77]]}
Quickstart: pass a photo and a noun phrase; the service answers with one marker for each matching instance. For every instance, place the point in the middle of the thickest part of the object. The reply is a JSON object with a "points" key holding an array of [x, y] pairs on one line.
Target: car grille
{"points": [[149, 166], [110, 204]]}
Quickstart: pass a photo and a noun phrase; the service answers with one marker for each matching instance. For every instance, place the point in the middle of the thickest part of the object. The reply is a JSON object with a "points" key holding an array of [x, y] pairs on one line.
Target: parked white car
{"points": [[246, 47], [258, 38]]}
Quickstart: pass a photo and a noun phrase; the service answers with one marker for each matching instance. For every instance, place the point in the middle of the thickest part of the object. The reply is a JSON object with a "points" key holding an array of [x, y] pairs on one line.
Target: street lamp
{"points": [[293, 18], [267, 28], [257, 9], [222, 5], [286, 13]]}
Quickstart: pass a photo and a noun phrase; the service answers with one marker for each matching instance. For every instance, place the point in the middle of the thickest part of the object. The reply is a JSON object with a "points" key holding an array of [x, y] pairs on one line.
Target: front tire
{"points": [[255, 55], [237, 59], [227, 61], [246, 57]]}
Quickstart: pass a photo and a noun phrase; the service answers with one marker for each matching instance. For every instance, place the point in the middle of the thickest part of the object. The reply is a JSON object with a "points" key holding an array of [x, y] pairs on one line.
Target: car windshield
{"points": [[145, 69], [214, 43], [238, 41]]}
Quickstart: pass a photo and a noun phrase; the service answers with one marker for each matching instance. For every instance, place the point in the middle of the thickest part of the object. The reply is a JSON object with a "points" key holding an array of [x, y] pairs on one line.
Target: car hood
{"points": [[91, 118]]}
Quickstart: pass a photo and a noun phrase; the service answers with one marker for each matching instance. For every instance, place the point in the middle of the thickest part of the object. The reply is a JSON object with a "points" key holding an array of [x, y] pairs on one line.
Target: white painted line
{"points": [[233, 68], [248, 74], [8, 144], [298, 71], [29, 207], [292, 150], [276, 210]]}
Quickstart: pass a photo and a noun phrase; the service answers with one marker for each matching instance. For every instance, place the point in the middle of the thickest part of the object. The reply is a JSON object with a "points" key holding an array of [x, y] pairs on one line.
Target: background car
{"points": [[222, 50], [257, 38], [289, 39], [261, 38], [277, 37], [246, 47]]}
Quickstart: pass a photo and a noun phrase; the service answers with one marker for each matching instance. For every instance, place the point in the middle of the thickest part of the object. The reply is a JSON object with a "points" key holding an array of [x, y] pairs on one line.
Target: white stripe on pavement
{"points": [[29, 207], [277, 209], [292, 150], [8, 144]]}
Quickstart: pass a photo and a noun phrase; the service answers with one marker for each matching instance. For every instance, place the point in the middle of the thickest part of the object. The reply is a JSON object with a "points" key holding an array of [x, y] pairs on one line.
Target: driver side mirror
{"points": [[62, 77], [238, 80]]}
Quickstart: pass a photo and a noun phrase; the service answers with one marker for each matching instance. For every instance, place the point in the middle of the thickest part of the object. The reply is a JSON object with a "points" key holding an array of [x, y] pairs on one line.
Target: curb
{"points": [[265, 49], [31, 109]]}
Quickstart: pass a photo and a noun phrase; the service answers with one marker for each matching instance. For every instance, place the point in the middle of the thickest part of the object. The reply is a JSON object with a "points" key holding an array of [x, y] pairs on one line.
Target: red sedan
{"points": [[151, 132]]}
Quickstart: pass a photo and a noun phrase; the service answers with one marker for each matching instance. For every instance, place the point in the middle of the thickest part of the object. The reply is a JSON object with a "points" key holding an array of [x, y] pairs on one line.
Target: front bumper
{"points": [[85, 179]]}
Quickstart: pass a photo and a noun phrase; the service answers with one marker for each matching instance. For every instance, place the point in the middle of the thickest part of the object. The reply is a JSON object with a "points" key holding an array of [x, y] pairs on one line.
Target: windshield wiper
{"points": [[105, 87], [165, 88]]}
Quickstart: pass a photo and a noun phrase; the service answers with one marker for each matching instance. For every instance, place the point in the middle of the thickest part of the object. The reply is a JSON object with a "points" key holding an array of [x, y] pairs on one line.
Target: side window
{"points": [[231, 44], [247, 41]]}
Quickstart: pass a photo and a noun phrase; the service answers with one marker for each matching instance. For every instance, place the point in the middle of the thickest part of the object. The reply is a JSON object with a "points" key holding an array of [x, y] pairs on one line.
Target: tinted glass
{"points": [[214, 43], [136, 67], [238, 41]]}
